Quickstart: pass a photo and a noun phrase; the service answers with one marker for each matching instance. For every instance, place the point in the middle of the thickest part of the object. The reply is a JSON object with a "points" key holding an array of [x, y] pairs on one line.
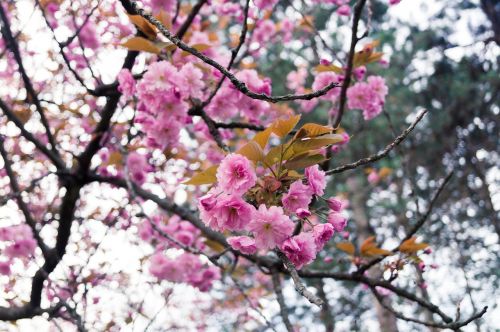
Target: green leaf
{"points": [[205, 177], [273, 156]]}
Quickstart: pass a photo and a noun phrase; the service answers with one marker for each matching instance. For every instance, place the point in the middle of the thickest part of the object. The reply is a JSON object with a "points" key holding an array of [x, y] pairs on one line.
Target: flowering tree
{"points": [[153, 123]]}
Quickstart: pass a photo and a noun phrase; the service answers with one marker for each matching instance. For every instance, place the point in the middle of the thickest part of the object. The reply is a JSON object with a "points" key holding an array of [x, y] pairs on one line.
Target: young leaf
{"points": [[274, 155], [316, 143], [115, 158], [141, 44], [312, 130], [304, 160], [347, 247], [283, 127], [411, 247], [369, 248], [335, 69], [143, 25], [205, 177], [263, 137], [252, 151], [198, 47]]}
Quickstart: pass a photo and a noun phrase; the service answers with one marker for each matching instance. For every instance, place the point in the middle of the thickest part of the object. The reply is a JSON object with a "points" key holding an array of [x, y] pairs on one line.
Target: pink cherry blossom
{"points": [[270, 227], [191, 84], [300, 249], [263, 4], [373, 177], [303, 213], [296, 79], [236, 174], [126, 83], [21, 248], [5, 268], [298, 197], [232, 213], [344, 10], [316, 179], [322, 80], [244, 244], [322, 234], [137, 166], [164, 5], [337, 220], [368, 96], [334, 204]]}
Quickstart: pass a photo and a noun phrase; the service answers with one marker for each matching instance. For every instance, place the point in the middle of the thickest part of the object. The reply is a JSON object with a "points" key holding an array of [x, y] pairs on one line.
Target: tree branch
{"points": [[12, 45], [20, 202], [56, 160], [358, 9], [237, 83], [281, 300], [381, 154]]}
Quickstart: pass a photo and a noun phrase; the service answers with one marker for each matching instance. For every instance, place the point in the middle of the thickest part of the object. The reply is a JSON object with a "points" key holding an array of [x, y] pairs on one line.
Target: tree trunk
{"points": [[387, 321]]}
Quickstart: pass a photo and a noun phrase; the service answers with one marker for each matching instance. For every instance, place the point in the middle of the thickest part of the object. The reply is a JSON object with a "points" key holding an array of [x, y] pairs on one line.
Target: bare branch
{"points": [[241, 125], [420, 222], [12, 45], [453, 326], [56, 160], [427, 213], [381, 154], [189, 20], [358, 9]]}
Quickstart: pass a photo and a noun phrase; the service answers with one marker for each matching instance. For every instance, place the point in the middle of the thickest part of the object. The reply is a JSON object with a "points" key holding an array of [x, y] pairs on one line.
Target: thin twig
{"points": [[453, 326], [381, 154], [420, 222], [14, 47], [358, 9], [275, 276]]}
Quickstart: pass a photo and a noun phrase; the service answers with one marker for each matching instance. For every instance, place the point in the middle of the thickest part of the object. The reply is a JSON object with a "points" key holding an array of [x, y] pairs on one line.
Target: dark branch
{"points": [[358, 9], [237, 83], [381, 154], [275, 276], [14, 48]]}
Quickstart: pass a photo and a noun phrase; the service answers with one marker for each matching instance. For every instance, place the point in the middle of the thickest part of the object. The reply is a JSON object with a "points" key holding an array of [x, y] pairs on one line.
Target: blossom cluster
{"points": [[18, 243], [283, 221], [185, 268], [165, 91], [368, 96], [166, 265]]}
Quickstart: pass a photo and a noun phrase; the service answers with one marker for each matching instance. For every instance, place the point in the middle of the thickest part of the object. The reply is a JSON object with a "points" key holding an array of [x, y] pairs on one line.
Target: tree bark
{"points": [[387, 321]]}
